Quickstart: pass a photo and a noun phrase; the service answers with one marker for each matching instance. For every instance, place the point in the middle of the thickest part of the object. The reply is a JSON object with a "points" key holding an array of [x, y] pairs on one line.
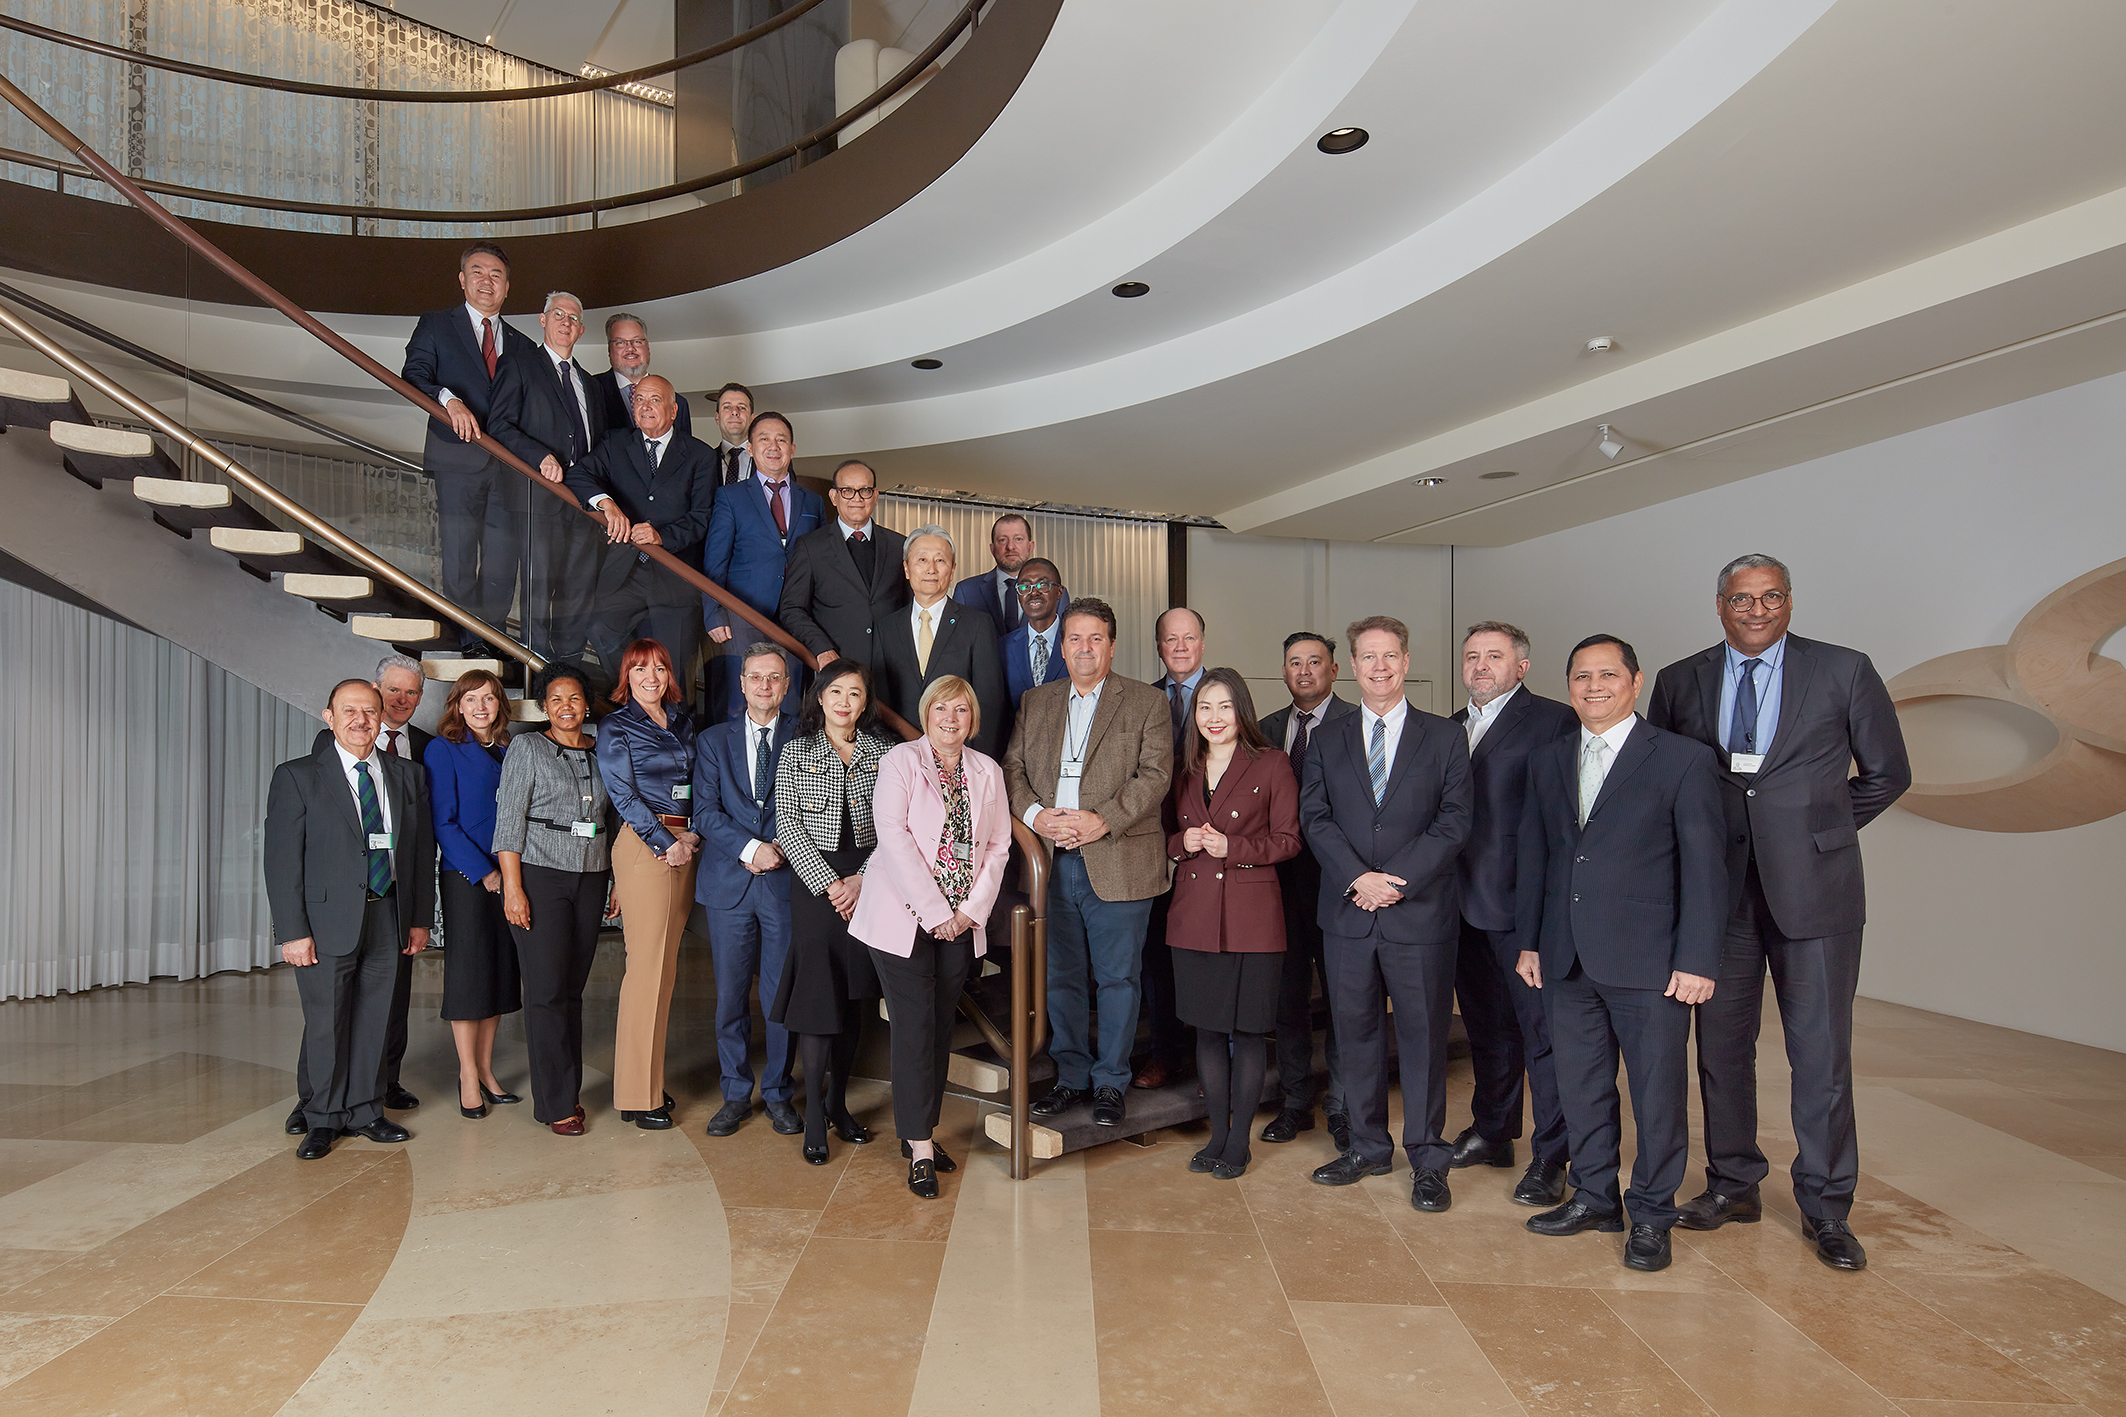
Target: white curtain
{"points": [[133, 780]]}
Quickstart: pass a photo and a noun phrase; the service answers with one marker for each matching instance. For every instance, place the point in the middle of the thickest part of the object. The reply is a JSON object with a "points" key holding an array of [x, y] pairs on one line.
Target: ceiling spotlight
{"points": [[1131, 289], [1338, 141], [1609, 445], [1601, 344], [928, 363], [1499, 476], [1428, 482]]}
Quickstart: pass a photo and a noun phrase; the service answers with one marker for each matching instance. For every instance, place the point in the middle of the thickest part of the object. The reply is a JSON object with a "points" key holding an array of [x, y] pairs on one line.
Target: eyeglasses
{"points": [[563, 317], [1036, 586], [764, 680], [856, 494], [628, 343], [1772, 600]]}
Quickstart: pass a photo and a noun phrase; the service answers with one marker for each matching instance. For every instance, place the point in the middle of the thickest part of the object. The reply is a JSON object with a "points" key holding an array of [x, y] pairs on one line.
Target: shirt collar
{"points": [[849, 531], [1490, 711], [1189, 683], [1614, 735], [478, 319], [1090, 696], [348, 760], [1774, 656], [1393, 717]]}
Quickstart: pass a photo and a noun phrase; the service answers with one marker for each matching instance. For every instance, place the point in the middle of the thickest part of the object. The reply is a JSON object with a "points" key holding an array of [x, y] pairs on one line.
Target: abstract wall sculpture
{"points": [[2049, 665]]}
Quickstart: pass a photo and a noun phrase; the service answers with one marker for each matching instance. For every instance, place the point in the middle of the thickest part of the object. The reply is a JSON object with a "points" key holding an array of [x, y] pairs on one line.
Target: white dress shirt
{"points": [[1614, 736], [1077, 739], [1479, 721], [383, 795], [754, 729], [1394, 718]]}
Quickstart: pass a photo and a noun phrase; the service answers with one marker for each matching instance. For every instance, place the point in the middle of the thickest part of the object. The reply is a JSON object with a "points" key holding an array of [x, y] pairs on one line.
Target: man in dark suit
{"points": [[935, 637], [1385, 807], [1505, 721], [1179, 634], [1620, 896], [744, 887], [755, 524], [548, 414], [655, 486], [995, 591], [455, 357], [1787, 718], [1310, 677], [1033, 654], [627, 350], [846, 578], [350, 877], [734, 416]]}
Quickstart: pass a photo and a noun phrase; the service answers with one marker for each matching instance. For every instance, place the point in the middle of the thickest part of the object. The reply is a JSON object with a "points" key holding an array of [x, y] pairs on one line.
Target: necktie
{"points": [[1591, 774], [372, 826], [1742, 732], [487, 346], [579, 436], [1037, 655], [922, 641], [1011, 604], [1301, 740], [391, 741], [656, 448], [762, 779], [1173, 703], [857, 537], [1377, 759], [782, 518], [631, 400]]}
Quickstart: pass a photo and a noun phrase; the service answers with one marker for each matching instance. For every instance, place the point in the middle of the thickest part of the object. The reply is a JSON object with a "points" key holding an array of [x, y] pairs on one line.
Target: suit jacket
{"points": [[908, 810], [531, 416], [811, 783], [962, 642], [727, 818], [1801, 814], [677, 498], [1129, 764], [1014, 652], [444, 355], [981, 592], [317, 856], [1416, 831], [1641, 891], [1233, 905], [617, 414], [1300, 877], [463, 779], [1498, 777], [826, 605], [744, 553]]}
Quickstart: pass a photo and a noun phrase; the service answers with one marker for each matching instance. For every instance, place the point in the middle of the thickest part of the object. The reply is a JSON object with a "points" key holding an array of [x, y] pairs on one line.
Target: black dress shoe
{"points": [[850, 1130], [1428, 1191], [784, 1119], [317, 1142], [1339, 1128], [1228, 1171], [1835, 1244], [937, 1153], [1573, 1217], [502, 1099], [1472, 1149], [1059, 1099], [923, 1179], [1201, 1163], [733, 1115], [657, 1119], [1714, 1209], [817, 1155], [1108, 1107], [1647, 1249], [382, 1129], [295, 1126], [398, 1099], [1542, 1184], [1348, 1169], [1288, 1124]]}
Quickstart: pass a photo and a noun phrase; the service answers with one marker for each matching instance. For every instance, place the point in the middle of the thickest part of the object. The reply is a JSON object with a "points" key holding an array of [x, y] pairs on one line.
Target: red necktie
{"points": [[782, 518], [392, 747], [487, 345]]}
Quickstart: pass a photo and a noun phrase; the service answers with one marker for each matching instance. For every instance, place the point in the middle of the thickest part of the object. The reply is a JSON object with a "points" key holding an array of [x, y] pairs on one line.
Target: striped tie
{"points": [[1377, 759], [372, 826]]}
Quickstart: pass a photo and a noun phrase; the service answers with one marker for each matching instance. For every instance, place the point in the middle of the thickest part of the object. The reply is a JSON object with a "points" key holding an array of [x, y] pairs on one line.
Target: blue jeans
{"points": [[751, 939], [1093, 945]]}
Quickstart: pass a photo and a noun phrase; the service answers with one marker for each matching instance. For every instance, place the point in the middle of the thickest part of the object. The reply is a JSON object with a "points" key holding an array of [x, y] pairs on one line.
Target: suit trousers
{"points": [[1591, 1025], [1509, 1040], [628, 611], [752, 940], [1364, 974], [1815, 981], [394, 1034], [554, 959], [1095, 951], [562, 552], [480, 513], [1169, 1038], [922, 1000], [654, 900], [1295, 1016], [346, 1012]]}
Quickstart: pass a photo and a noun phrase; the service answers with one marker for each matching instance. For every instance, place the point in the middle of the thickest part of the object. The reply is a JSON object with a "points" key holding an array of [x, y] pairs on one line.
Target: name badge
{"points": [[583, 828], [682, 791], [1745, 762], [1071, 769], [380, 841]]}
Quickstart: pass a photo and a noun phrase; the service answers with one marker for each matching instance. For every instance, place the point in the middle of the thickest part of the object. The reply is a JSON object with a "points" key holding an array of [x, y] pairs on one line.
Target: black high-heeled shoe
{"points": [[472, 1114], [501, 1097], [817, 1155], [923, 1179], [849, 1129], [944, 1162]]}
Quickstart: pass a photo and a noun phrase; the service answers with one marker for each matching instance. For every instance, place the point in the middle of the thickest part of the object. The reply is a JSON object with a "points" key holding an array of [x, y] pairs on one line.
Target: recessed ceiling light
{"points": [[928, 363], [1499, 476], [1428, 482], [1343, 140], [1131, 289], [1601, 344]]}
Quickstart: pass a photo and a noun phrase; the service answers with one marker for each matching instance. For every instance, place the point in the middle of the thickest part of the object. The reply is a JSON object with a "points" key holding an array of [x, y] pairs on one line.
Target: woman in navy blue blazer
{"points": [[480, 981]]}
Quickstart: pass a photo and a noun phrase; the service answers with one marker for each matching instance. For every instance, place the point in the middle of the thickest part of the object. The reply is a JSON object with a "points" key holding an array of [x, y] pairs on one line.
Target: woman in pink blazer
{"points": [[944, 831]]}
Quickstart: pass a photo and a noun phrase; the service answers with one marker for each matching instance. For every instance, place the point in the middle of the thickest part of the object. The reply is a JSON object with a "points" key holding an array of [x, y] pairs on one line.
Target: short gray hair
{"points": [[553, 295], [759, 649], [622, 318], [399, 661], [1755, 560], [929, 529], [1515, 633]]}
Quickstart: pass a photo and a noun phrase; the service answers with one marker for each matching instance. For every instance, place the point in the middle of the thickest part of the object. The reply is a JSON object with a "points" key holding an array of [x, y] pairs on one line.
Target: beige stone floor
{"points": [[161, 1251]]}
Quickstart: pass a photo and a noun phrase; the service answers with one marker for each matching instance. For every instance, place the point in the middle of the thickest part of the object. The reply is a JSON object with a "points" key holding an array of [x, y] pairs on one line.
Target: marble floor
{"points": [[162, 1252]]}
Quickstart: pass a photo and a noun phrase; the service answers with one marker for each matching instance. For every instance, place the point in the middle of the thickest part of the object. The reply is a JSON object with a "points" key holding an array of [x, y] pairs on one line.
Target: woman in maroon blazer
{"points": [[1232, 816]]}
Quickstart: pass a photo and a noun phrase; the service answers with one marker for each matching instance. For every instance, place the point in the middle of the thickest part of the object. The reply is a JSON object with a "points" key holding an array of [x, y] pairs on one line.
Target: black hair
{"points": [[812, 715], [483, 248], [1631, 656], [1299, 636]]}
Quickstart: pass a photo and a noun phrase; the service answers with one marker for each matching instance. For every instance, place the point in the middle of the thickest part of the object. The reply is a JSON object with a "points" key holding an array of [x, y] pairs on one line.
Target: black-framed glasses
{"points": [[1772, 600], [856, 494], [1037, 586]]}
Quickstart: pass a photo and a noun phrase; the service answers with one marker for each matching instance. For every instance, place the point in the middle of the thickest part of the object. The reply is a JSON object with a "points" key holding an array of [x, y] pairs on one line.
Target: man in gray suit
{"points": [[350, 861]]}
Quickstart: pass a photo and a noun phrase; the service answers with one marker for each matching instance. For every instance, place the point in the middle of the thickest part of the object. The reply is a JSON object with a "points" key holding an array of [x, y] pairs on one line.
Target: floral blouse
{"points": [[954, 868]]}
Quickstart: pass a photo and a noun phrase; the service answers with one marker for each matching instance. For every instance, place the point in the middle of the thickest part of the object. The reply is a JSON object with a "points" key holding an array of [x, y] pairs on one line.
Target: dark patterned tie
{"points": [[487, 346], [1302, 741], [775, 506], [763, 780], [372, 827], [1173, 699], [1742, 731]]}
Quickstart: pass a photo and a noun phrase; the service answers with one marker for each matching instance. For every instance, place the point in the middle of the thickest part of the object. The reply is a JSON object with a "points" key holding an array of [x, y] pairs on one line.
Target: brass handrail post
{"points": [[1029, 993]]}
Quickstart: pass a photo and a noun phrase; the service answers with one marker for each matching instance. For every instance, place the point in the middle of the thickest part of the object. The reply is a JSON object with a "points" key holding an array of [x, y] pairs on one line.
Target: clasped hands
{"points": [[1377, 890], [1208, 840], [1069, 827], [619, 529], [682, 849], [1683, 988], [303, 952]]}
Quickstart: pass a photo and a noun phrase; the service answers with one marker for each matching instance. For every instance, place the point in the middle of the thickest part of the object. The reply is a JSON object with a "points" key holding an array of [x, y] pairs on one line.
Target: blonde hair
{"points": [[942, 689]]}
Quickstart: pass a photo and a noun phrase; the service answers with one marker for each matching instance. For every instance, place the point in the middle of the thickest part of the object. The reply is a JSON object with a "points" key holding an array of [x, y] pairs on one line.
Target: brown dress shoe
{"points": [[569, 1126], [1156, 1072]]}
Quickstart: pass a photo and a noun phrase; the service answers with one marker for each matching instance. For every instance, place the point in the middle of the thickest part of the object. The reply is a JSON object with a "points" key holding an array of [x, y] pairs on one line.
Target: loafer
{"points": [[1473, 1149], [937, 1153], [1059, 1099], [1348, 1169], [731, 1116], [1647, 1249], [1573, 1217], [1339, 1128], [850, 1130], [1428, 1191], [1108, 1106], [569, 1126], [296, 1126], [398, 1099], [317, 1142], [1201, 1163], [923, 1179], [784, 1119], [657, 1119], [1542, 1184], [1228, 1171], [383, 1129], [1714, 1209], [665, 1108], [1288, 1124], [1835, 1244]]}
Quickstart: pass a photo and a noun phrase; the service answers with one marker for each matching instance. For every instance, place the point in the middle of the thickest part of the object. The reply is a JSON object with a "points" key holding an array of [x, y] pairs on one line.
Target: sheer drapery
{"points": [[173, 128], [133, 783]]}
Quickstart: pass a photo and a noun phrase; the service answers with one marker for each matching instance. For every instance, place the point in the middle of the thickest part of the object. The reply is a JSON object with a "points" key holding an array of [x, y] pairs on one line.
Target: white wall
{"points": [[1913, 547]]}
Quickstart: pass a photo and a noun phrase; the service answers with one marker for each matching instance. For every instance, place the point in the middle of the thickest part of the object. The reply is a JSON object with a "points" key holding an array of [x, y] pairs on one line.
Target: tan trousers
{"points": [[654, 900]]}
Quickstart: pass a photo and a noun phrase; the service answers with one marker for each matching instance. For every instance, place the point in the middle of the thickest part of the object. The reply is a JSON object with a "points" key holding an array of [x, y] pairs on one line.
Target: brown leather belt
{"points": [[677, 824]]}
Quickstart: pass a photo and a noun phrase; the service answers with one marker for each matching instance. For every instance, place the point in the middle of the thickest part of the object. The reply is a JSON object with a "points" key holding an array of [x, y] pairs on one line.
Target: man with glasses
{"points": [[995, 592], [627, 349], [845, 579], [1033, 653], [1788, 719]]}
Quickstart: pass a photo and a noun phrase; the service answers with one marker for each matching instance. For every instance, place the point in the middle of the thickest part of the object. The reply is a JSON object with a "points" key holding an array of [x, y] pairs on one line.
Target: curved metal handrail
{"points": [[298, 86], [968, 16]]}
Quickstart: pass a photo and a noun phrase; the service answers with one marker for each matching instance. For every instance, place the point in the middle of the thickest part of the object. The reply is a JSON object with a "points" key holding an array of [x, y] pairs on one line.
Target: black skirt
{"points": [[1227, 993], [825, 968], [480, 967]]}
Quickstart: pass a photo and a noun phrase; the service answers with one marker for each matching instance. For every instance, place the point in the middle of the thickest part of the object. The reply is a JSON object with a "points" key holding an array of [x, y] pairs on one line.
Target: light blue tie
{"points": [[1377, 759]]}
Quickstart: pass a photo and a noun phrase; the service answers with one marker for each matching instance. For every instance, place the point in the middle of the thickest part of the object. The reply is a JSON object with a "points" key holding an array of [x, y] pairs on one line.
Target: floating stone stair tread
{"points": [[36, 400], [316, 587], [96, 455], [447, 670], [255, 541], [176, 492], [394, 629]]}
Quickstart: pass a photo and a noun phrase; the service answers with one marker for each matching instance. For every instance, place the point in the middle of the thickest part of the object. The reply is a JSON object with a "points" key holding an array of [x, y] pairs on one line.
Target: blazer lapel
{"points": [[1797, 668], [463, 325], [1103, 714], [1405, 749], [1508, 723], [1710, 667], [1636, 750]]}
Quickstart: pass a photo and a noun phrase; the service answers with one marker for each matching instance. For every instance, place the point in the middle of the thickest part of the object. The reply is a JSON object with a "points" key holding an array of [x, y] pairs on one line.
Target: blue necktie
{"points": [[372, 826], [1742, 732], [1377, 759]]}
